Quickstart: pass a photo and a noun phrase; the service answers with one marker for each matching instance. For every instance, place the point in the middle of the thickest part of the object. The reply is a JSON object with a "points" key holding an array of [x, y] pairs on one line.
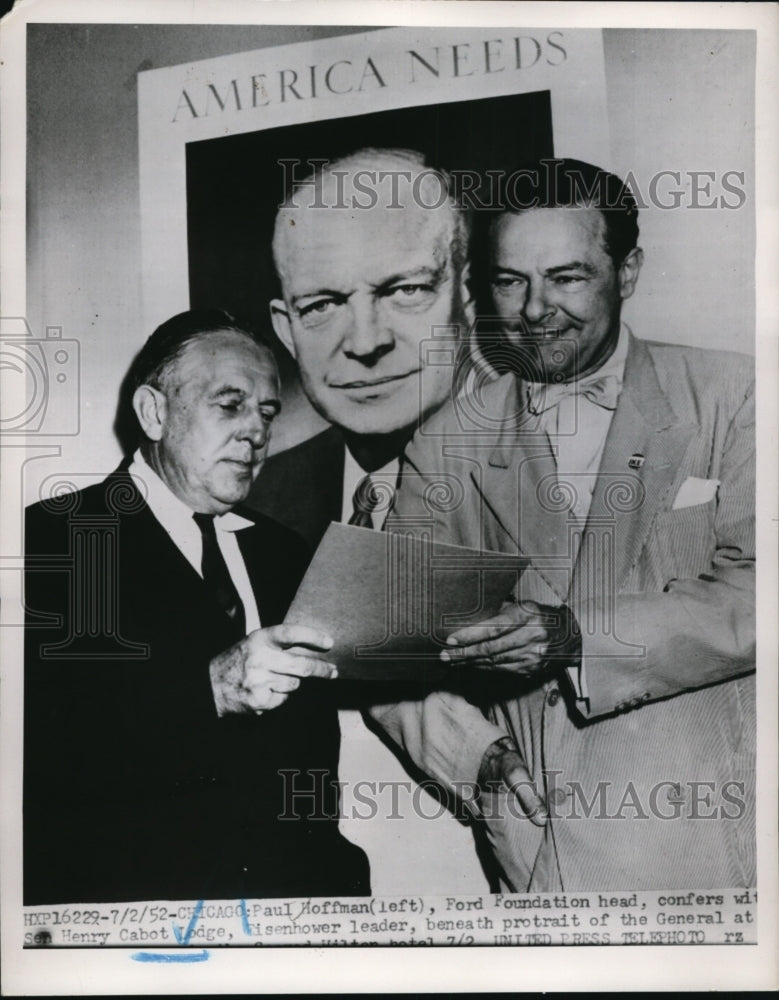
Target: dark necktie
{"points": [[365, 500], [217, 577]]}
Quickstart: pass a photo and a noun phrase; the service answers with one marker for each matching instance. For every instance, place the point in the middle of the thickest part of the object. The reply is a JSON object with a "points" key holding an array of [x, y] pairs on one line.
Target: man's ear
{"points": [[466, 294], [628, 272], [282, 327], [150, 408]]}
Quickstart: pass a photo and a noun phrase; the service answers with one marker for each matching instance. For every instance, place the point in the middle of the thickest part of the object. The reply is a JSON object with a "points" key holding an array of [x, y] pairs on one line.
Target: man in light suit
{"points": [[615, 741], [163, 701], [372, 257]]}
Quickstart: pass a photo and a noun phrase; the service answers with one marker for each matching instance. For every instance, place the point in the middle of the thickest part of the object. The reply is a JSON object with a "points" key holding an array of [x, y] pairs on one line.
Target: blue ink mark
{"points": [[245, 919], [150, 956], [184, 938]]}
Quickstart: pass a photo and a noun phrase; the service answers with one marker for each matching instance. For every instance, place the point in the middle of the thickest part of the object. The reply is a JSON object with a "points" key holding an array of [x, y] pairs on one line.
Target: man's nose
{"points": [[536, 307], [368, 335], [256, 429]]}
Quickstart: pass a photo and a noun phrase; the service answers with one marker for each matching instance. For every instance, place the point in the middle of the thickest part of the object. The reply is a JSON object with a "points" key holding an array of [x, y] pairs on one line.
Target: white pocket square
{"points": [[695, 491]]}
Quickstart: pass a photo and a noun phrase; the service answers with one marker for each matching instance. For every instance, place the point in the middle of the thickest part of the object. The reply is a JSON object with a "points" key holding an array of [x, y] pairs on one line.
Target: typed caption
{"points": [[672, 917]]}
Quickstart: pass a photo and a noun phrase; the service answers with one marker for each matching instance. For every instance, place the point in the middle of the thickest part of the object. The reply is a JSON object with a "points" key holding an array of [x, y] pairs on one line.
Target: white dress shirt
{"points": [[176, 518], [577, 429], [421, 847]]}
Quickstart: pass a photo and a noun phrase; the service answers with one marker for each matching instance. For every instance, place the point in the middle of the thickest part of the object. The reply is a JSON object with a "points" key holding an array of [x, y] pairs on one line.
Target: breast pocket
{"points": [[685, 540]]}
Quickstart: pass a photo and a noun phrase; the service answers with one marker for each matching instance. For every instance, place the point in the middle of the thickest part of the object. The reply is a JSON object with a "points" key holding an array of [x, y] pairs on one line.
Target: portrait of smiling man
{"points": [[371, 253], [162, 696]]}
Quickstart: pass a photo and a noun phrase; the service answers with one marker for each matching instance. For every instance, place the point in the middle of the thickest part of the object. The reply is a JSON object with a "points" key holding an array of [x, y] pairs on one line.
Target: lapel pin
{"points": [[635, 461]]}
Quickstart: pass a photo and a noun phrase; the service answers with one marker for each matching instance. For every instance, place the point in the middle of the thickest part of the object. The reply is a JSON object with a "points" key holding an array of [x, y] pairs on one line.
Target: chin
{"points": [[232, 494], [368, 419]]}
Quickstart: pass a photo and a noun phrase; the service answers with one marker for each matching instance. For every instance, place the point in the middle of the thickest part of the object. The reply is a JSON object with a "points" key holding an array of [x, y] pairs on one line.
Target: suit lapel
{"points": [[302, 487], [146, 543], [524, 498], [625, 499]]}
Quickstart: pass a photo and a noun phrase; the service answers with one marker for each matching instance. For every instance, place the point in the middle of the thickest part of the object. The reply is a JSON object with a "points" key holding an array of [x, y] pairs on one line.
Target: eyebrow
{"points": [[232, 390], [423, 271], [574, 265], [330, 292], [433, 274]]}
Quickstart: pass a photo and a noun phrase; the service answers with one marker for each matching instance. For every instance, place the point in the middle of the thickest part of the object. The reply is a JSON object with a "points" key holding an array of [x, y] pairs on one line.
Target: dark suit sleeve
{"points": [[120, 724]]}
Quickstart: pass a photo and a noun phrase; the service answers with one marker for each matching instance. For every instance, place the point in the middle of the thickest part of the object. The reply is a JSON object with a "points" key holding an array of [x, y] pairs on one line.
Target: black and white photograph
{"points": [[388, 437]]}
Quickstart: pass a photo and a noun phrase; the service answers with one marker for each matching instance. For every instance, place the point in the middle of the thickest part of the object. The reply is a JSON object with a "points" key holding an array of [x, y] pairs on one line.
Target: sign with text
{"points": [[347, 78]]}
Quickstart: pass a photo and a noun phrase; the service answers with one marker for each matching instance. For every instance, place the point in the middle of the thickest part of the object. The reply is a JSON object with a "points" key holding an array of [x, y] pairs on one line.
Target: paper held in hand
{"points": [[390, 600]]}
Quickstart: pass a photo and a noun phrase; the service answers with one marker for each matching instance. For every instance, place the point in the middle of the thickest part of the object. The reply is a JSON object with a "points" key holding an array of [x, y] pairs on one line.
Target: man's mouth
{"points": [[372, 383], [241, 463], [545, 334]]}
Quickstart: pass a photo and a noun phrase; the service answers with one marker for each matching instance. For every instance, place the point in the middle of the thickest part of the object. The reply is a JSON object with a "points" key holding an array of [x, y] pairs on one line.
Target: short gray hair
{"points": [[371, 158]]}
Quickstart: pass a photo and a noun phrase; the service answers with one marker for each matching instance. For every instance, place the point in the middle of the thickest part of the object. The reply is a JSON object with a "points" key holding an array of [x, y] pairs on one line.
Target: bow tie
{"points": [[603, 390]]}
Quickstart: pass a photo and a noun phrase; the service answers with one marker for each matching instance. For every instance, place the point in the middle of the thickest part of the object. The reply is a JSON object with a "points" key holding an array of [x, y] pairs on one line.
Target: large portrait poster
{"points": [[189, 806], [222, 140]]}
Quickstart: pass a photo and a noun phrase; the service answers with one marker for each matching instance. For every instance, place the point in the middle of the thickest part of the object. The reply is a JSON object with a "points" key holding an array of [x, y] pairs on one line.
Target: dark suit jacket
{"points": [[302, 487], [134, 788]]}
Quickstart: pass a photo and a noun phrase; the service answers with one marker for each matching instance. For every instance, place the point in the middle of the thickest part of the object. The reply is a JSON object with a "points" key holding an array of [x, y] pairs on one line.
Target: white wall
{"points": [[677, 101], [683, 101]]}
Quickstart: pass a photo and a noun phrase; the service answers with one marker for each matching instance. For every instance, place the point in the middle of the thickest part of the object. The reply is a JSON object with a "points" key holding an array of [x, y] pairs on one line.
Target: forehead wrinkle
{"points": [[587, 230], [299, 232], [215, 346]]}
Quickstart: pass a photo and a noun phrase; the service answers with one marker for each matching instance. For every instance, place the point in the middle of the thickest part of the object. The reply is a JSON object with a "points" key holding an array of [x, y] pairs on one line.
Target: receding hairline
{"points": [[411, 161], [518, 213], [168, 371], [371, 157]]}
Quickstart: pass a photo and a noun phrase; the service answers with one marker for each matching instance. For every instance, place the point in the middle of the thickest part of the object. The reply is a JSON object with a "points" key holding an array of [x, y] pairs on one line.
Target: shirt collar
{"points": [[614, 364], [354, 473], [169, 510]]}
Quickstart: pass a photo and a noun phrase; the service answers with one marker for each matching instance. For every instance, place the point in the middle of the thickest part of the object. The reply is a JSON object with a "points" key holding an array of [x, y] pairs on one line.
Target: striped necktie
{"points": [[365, 500]]}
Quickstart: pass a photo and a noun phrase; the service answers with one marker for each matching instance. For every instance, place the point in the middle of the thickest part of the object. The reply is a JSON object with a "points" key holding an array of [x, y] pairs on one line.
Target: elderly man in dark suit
{"points": [[616, 737], [163, 701]]}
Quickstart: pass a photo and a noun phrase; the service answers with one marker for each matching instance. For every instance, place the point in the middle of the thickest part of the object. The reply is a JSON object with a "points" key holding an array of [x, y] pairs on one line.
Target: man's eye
{"points": [[232, 407], [410, 294], [267, 414], [317, 309], [568, 279], [507, 283]]}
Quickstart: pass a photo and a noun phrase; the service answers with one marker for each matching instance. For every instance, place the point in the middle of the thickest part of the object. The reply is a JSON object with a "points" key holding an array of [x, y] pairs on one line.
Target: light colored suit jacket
{"points": [[650, 780]]}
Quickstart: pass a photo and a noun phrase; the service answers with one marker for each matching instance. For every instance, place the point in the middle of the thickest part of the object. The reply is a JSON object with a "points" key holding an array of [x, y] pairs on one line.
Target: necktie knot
{"points": [[603, 390], [365, 500], [206, 523]]}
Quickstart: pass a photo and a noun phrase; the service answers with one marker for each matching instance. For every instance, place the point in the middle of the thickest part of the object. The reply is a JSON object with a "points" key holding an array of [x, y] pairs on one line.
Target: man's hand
{"points": [[528, 639], [502, 765], [261, 671]]}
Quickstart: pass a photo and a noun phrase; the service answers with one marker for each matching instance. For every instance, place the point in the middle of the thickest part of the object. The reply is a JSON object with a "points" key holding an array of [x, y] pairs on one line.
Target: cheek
{"points": [[313, 357], [578, 305], [436, 385], [507, 305]]}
